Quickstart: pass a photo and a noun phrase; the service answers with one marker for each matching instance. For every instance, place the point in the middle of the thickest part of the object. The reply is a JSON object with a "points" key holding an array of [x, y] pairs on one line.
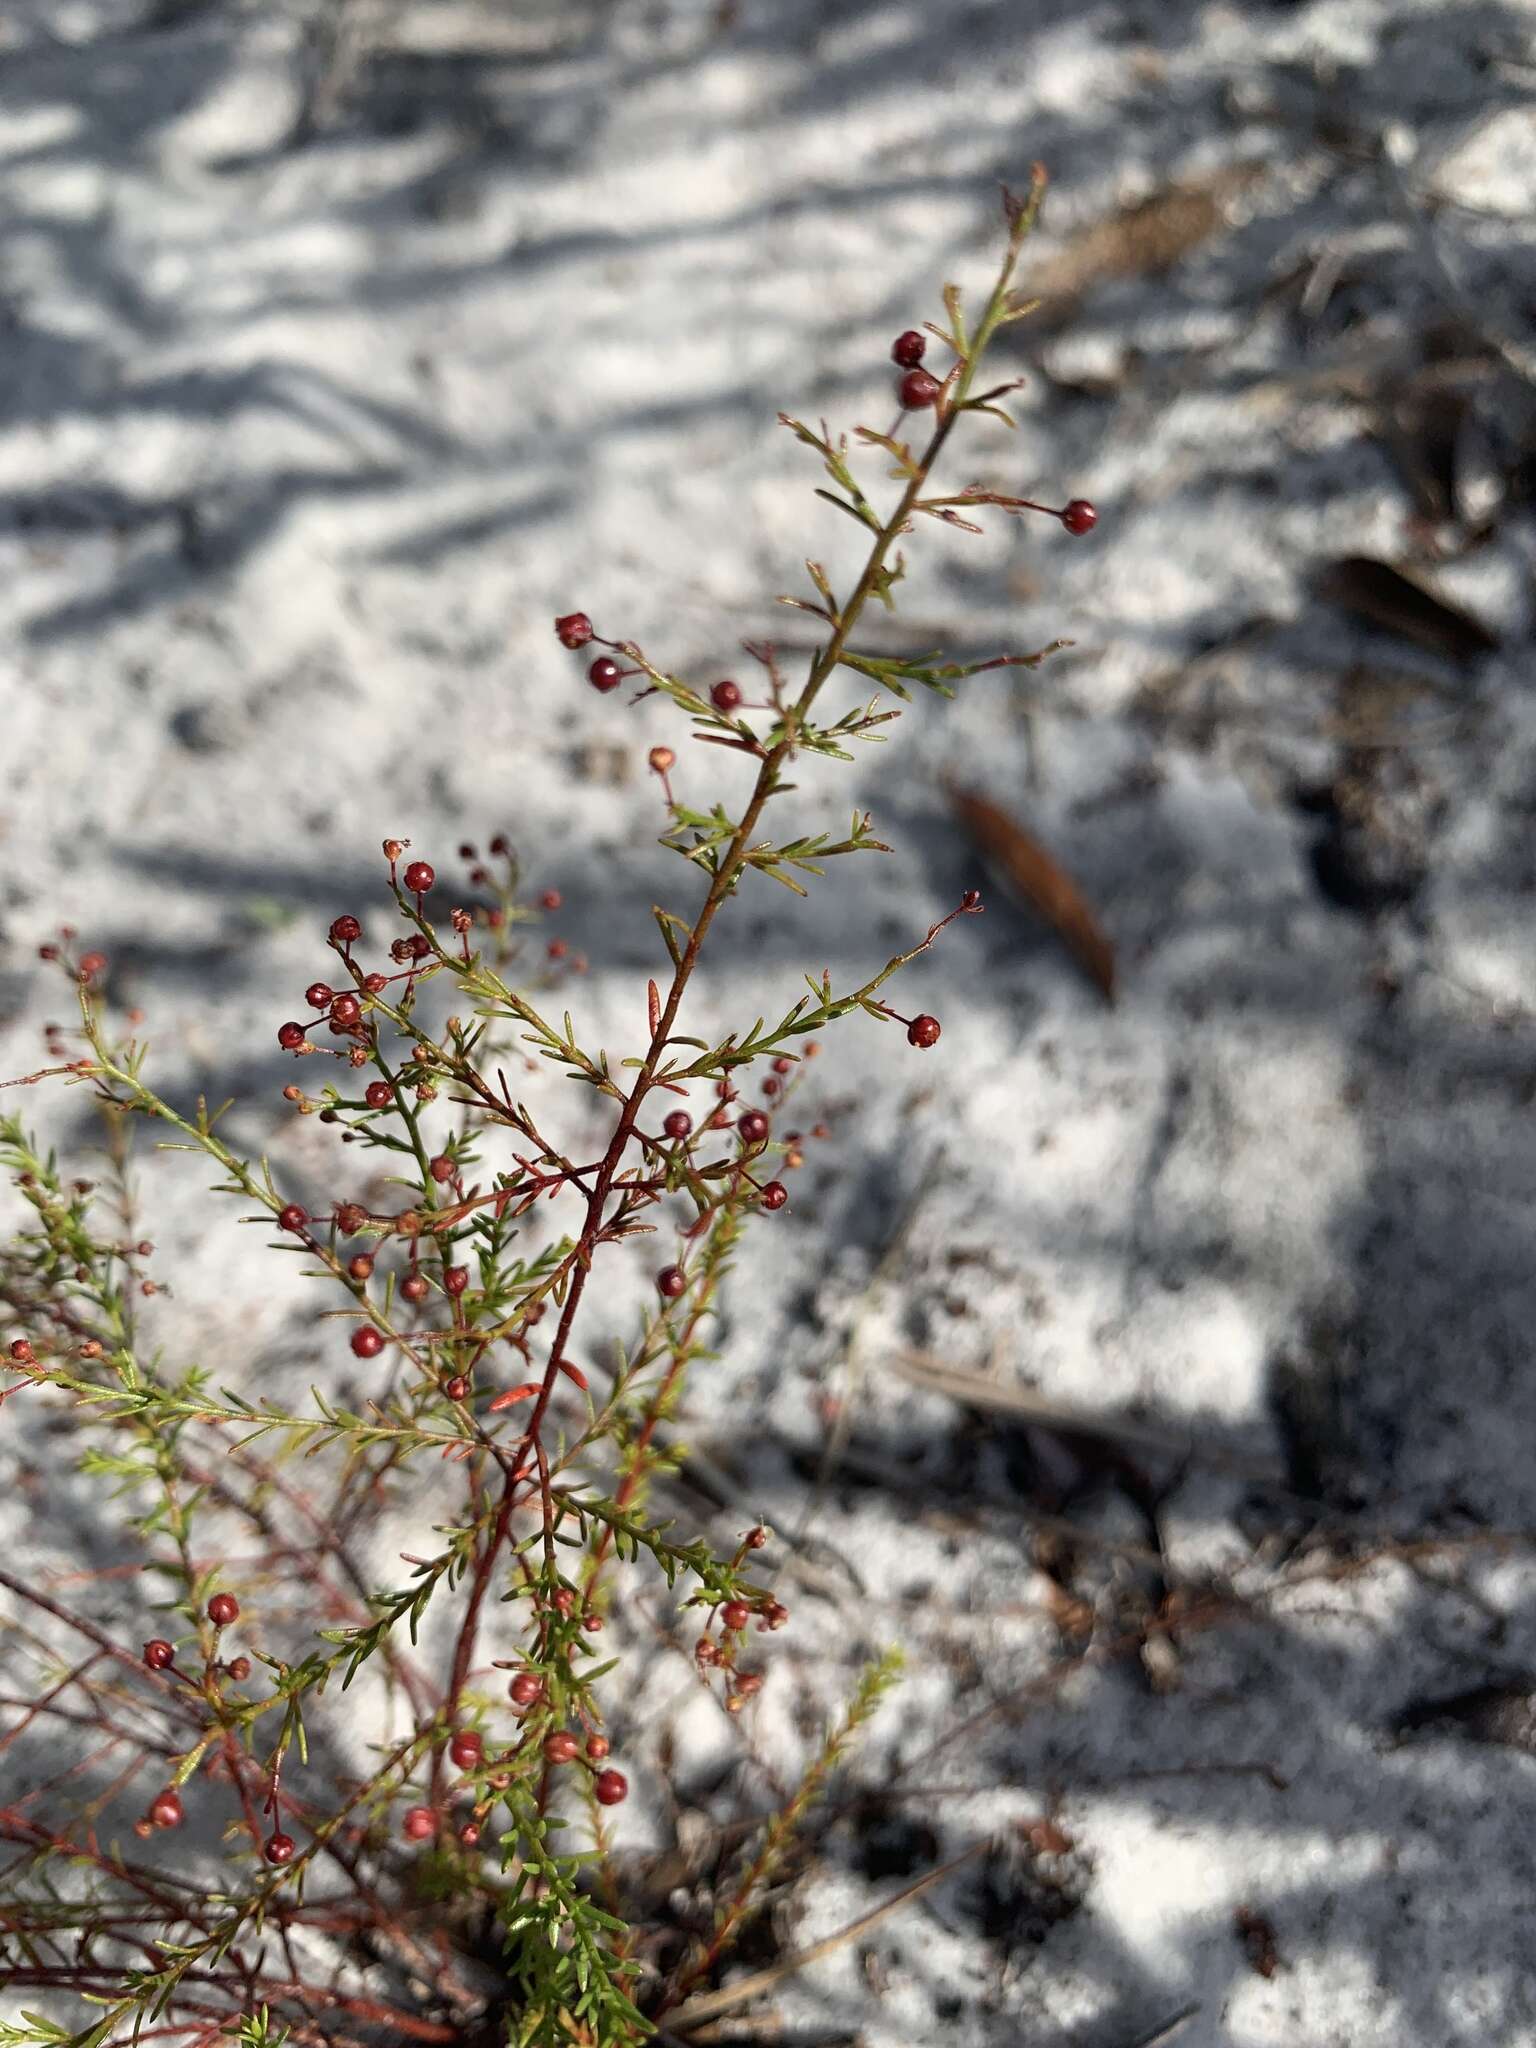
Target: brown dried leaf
{"points": [[1400, 602], [1141, 240], [1028, 869]]}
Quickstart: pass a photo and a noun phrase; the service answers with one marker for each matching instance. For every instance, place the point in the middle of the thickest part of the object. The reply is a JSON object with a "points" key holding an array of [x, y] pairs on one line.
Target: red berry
{"points": [[455, 1279], [419, 877], [414, 1287], [457, 1389], [166, 1810], [612, 1788], [909, 349], [350, 1218], [469, 1834], [240, 1669], [366, 1342], [775, 1614], [91, 963], [158, 1653], [561, 1747], [291, 1036], [223, 1610], [345, 931], [605, 674], [707, 1650], [782, 1065], [971, 900], [551, 899], [319, 995], [753, 1126], [419, 1823], [1079, 516], [725, 696], [924, 1031], [346, 1011], [678, 1124], [748, 1682], [735, 1614], [671, 1281], [756, 1539], [662, 760], [279, 1848], [466, 1749], [360, 1266], [598, 1747], [442, 1167], [22, 1352], [378, 1095], [525, 1689], [573, 631], [917, 389], [774, 1194], [292, 1217]]}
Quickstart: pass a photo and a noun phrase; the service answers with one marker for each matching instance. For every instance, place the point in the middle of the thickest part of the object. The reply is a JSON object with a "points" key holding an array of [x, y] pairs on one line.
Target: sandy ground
{"points": [[342, 347]]}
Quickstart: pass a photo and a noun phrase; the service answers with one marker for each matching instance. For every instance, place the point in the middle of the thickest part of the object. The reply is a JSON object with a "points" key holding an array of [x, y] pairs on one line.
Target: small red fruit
{"points": [[457, 1389], [319, 995], [279, 1848], [469, 1834], [443, 1167], [605, 674], [753, 1126], [292, 1217], [291, 1036], [166, 1810], [671, 1281], [223, 1610], [916, 390], [159, 1654], [1079, 516], [455, 1279], [419, 877], [360, 1266], [240, 1669], [909, 349], [678, 1124], [378, 1095], [561, 1747], [774, 1194], [345, 931], [924, 1031], [598, 1747], [756, 1539], [22, 1352], [413, 1287], [612, 1788], [525, 1689], [366, 1342], [466, 1749], [725, 696], [419, 1824], [573, 630], [662, 760], [735, 1614], [346, 1011]]}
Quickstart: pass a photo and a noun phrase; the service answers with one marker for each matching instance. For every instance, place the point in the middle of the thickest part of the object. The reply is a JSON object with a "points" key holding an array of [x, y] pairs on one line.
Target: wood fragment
{"points": [[979, 1390], [1029, 870], [698, 2010]]}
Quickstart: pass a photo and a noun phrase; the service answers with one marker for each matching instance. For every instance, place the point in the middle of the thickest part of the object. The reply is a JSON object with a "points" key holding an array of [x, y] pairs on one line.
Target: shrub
{"points": [[434, 1896]]}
